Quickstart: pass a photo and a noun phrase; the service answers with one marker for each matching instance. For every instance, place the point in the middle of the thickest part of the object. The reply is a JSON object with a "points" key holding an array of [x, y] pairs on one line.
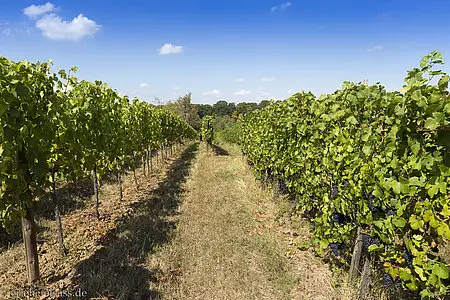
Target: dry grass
{"points": [[105, 258], [228, 244]]}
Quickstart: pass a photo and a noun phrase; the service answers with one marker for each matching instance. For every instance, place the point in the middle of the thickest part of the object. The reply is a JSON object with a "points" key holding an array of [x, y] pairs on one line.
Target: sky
{"points": [[233, 50]]}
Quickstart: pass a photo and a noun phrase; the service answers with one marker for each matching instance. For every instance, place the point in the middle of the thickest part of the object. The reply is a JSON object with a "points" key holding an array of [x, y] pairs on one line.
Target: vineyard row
{"points": [[370, 161]]}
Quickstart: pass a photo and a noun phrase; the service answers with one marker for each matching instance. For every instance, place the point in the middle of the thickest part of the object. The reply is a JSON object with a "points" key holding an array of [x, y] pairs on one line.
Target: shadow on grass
{"points": [[118, 270], [220, 151]]}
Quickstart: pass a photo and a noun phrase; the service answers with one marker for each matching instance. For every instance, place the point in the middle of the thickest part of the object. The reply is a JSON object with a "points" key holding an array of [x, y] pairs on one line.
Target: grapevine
{"points": [[379, 158], [54, 123]]}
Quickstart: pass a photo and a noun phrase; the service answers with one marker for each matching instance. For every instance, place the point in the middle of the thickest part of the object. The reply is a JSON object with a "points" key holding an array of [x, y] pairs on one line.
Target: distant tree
{"points": [[241, 108], [244, 108], [204, 110], [222, 122], [252, 106], [263, 104], [173, 107], [189, 111], [184, 108], [231, 108], [157, 101], [221, 108]]}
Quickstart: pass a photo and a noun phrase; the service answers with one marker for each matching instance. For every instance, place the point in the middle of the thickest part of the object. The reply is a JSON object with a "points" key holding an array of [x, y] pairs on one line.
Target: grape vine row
{"points": [[54, 123], [365, 157]]}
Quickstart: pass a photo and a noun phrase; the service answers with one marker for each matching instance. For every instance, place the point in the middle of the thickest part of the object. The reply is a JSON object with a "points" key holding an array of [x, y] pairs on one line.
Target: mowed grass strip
{"points": [[220, 249]]}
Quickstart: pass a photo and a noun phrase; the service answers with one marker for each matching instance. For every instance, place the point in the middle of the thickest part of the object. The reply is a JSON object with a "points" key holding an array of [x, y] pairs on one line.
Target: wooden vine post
{"points": [[363, 292], [30, 242], [356, 257], [62, 248]]}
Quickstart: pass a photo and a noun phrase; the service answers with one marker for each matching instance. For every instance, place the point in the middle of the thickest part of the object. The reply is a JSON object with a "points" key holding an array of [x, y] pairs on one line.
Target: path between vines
{"points": [[198, 228], [228, 244]]}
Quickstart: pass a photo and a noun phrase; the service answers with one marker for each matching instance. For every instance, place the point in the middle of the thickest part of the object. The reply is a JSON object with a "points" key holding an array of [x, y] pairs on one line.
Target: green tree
{"points": [[204, 110], [263, 104], [221, 108], [188, 111]]}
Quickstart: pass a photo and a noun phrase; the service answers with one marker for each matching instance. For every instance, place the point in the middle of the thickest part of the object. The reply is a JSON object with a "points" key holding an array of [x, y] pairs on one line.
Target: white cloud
{"points": [[266, 79], [212, 93], [290, 91], [34, 11], [282, 6], [170, 49], [242, 93], [375, 48], [55, 28], [264, 94], [285, 5], [7, 31], [240, 80], [177, 88], [144, 84], [15, 31]]}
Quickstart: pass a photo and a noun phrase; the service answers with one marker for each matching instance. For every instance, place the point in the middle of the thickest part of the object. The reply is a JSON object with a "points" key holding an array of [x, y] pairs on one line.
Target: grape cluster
{"points": [[368, 240], [310, 213], [345, 183], [335, 248], [372, 206], [283, 187], [391, 212], [388, 282], [375, 241], [398, 282], [338, 217], [334, 191], [407, 257]]}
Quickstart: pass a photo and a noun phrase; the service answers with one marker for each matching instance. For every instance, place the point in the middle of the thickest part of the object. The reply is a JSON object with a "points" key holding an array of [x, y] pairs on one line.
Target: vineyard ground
{"points": [[106, 258], [198, 228], [229, 244]]}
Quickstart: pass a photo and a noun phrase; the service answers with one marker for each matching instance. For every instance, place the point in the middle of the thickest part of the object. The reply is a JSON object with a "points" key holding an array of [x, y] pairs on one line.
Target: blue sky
{"points": [[234, 50]]}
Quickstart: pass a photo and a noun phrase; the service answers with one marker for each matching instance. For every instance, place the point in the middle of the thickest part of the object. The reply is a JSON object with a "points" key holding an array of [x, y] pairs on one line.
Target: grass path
{"points": [[227, 244]]}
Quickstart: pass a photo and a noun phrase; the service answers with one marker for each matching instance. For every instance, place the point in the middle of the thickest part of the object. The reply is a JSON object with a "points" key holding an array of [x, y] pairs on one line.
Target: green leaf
{"points": [[367, 150], [416, 181], [445, 211], [441, 271], [432, 123], [352, 120], [399, 222], [396, 186], [443, 230], [433, 190], [374, 248], [428, 214], [433, 222], [419, 272], [415, 223]]}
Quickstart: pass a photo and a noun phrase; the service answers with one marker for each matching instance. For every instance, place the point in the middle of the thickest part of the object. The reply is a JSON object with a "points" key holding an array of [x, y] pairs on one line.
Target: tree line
{"points": [[222, 110]]}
